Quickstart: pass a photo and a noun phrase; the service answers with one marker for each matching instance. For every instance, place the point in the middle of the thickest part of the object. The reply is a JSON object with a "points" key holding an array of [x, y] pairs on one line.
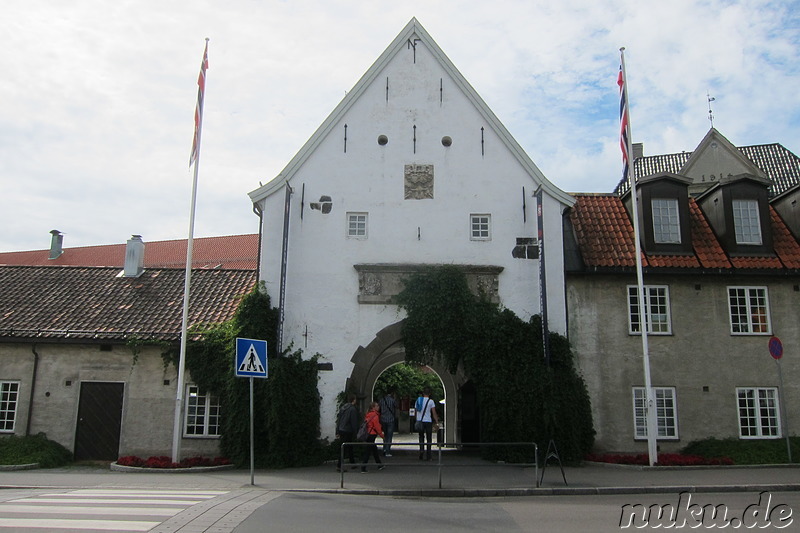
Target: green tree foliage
{"points": [[521, 398], [286, 404], [408, 380]]}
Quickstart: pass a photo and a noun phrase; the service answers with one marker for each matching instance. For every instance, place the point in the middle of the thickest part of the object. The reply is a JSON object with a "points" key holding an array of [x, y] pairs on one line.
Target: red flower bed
{"points": [[166, 462], [664, 459]]}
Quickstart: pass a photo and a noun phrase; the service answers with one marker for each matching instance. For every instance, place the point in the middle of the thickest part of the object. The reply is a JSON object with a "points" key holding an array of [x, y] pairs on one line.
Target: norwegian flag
{"points": [[624, 128], [198, 111]]}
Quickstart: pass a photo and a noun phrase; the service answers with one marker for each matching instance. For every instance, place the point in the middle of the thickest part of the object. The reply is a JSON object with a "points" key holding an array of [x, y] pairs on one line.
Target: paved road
{"points": [[34, 510], [345, 513]]}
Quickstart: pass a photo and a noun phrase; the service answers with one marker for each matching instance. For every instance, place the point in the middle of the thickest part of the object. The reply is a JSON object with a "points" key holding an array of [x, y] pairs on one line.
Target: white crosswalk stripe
{"points": [[98, 509]]}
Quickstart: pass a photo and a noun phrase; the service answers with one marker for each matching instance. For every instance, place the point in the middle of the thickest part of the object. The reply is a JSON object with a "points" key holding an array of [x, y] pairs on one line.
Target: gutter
{"points": [[33, 389]]}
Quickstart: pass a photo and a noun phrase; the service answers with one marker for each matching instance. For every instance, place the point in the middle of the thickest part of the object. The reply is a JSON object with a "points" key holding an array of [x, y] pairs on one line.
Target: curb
{"points": [[190, 470], [11, 468]]}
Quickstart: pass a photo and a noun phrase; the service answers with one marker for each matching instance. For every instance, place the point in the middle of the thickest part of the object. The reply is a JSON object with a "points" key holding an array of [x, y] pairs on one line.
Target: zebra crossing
{"points": [[97, 509]]}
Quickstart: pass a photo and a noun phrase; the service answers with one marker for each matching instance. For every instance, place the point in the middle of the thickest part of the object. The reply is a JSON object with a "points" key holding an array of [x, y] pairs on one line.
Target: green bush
{"points": [[746, 452], [33, 449]]}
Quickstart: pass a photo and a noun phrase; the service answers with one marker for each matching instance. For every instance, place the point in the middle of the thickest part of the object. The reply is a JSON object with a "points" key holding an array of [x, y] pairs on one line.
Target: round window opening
{"points": [[383, 139], [447, 141]]}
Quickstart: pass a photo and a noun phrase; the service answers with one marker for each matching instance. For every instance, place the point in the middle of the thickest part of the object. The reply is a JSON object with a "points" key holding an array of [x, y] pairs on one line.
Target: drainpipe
{"points": [[33, 388]]}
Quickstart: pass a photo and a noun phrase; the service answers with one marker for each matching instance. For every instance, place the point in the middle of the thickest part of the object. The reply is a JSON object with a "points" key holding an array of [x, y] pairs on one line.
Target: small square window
{"points": [[480, 227], [746, 222], [357, 225], [666, 222], [749, 310]]}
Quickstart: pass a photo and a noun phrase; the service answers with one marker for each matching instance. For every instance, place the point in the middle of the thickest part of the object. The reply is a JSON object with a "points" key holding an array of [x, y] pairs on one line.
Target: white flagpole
{"points": [[177, 427], [650, 401]]}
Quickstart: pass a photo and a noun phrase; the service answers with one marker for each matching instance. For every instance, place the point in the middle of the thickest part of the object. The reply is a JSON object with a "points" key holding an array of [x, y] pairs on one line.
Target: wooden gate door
{"points": [[99, 421]]}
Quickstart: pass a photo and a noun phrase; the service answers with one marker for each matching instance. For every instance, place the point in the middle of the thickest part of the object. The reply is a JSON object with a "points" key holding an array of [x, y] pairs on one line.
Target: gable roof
{"points": [[779, 165], [232, 251], [604, 234], [413, 31], [91, 303]]}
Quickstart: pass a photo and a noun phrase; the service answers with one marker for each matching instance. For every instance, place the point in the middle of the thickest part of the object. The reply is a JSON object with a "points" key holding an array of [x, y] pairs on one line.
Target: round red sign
{"points": [[775, 347]]}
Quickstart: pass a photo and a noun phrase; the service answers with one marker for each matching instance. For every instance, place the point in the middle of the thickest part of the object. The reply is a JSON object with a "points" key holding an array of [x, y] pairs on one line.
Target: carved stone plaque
{"points": [[418, 182]]}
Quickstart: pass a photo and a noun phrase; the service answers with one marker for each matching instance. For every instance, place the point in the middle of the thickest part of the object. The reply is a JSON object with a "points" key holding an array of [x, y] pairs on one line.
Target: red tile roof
{"points": [[95, 303], [604, 234], [233, 251]]}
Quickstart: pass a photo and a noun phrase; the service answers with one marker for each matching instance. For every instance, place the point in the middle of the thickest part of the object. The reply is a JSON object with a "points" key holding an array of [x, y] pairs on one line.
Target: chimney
{"points": [[55, 244], [638, 150], [134, 257]]}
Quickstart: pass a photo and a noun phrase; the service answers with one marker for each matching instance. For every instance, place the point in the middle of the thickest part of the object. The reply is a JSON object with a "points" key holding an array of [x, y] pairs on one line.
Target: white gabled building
{"points": [[411, 168]]}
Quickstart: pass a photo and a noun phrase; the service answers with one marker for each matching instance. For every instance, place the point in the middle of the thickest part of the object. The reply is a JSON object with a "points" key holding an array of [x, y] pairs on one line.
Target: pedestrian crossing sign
{"points": [[251, 358]]}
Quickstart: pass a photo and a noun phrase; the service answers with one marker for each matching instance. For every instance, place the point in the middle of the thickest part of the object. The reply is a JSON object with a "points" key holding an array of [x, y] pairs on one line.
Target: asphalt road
{"points": [[332, 513]]}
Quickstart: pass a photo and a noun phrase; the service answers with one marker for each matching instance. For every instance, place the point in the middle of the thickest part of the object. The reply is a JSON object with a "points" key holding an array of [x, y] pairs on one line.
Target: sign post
{"points": [[776, 351], [251, 362]]}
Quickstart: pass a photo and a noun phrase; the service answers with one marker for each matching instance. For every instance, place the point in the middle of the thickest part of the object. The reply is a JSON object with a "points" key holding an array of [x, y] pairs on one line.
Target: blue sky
{"points": [[98, 97]]}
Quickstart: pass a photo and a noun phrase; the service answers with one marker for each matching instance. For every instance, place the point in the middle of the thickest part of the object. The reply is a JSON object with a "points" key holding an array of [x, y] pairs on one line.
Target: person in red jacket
{"points": [[373, 430]]}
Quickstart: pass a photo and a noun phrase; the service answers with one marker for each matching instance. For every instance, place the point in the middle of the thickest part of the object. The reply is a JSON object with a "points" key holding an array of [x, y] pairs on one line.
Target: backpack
{"points": [[363, 432]]}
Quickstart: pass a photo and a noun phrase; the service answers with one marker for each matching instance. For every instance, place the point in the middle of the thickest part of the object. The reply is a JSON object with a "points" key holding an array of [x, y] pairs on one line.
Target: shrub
{"points": [[33, 449], [745, 452]]}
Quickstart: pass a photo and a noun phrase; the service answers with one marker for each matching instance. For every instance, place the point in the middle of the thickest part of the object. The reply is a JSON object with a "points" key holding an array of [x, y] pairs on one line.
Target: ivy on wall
{"points": [[521, 398], [286, 404]]}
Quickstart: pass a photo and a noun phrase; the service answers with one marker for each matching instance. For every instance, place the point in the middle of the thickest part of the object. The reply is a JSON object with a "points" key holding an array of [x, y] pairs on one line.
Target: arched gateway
{"points": [[387, 349]]}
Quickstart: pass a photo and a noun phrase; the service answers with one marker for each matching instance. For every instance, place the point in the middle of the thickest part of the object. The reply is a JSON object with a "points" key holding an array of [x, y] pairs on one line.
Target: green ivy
{"points": [[521, 398], [286, 404]]}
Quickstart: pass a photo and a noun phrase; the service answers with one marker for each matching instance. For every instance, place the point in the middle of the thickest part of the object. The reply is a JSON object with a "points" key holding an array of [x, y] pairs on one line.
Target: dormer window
{"points": [[666, 221], [746, 221]]}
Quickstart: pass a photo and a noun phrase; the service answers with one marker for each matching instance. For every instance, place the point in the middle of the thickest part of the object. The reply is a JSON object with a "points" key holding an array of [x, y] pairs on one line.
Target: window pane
{"points": [[749, 310], [656, 306], [479, 227], [746, 223], [666, 412], [356, 224], [758, 412], [666, 224], [9, 392]]}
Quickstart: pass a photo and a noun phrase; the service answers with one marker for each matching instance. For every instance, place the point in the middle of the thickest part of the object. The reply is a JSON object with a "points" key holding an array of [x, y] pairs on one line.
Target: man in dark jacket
{"points": [[346, 428]]}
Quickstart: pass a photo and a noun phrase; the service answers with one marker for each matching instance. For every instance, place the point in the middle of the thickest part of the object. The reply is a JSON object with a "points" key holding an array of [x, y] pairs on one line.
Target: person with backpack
{"points": [[425, 415], [373, 429], [388, 420], [346, 428]]}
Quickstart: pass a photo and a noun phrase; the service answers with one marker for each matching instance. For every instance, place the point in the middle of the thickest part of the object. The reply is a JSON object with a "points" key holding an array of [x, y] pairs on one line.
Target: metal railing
{"points": [[440, 464]]}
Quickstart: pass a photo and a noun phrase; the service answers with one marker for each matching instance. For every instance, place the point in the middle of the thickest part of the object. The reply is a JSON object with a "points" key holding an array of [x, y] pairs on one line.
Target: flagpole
{"points": [[193, 158], [650, 403]]}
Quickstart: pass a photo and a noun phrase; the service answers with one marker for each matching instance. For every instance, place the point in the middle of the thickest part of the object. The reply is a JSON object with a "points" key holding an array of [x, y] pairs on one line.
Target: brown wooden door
{"points": [[99, 421]]}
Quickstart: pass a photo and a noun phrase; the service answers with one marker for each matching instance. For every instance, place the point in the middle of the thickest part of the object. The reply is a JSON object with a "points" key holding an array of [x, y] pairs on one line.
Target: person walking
{"points": [[346, 429], [388, 420], [426, 415], [373, 430]]}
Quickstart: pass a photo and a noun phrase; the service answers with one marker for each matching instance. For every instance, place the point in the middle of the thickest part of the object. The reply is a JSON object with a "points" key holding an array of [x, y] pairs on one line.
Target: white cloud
{"points": [[98, 97]]}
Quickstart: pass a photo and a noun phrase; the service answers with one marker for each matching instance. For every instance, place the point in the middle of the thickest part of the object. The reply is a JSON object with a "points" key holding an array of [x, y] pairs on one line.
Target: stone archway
{"points": [[386, 350]]}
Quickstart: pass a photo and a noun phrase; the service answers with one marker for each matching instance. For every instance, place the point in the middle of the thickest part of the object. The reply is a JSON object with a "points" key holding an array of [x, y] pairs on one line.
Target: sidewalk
{"points": [[405, 475]]}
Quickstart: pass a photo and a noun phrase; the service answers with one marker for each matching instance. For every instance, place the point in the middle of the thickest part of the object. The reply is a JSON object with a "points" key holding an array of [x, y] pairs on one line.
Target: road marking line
{"points": [[133, 511], [105, 525]]}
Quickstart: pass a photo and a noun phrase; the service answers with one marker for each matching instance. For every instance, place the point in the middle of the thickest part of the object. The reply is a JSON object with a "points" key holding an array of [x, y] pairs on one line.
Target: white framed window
{"points": [[666, 222], [758, 412], [656, 308], [480, 227], [746, 222], [9, 396], [666, 413], [749, 310], [357, 225], [202, 414]]}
